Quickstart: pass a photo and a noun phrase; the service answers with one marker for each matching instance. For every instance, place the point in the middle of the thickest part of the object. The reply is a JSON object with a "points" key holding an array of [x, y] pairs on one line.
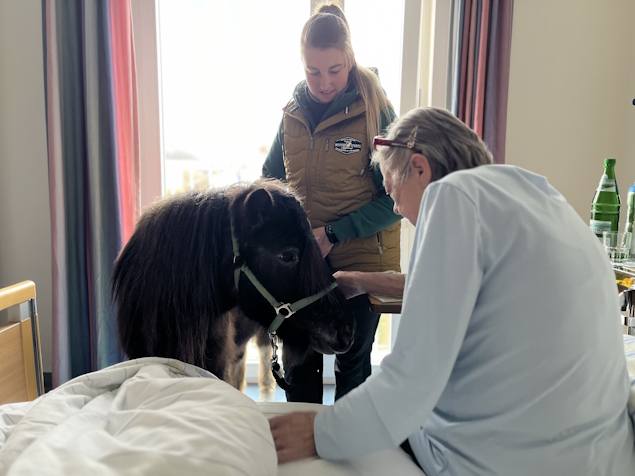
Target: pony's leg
{"points": [[222, 350], [266, 382], [237, 372], [245, 329]]}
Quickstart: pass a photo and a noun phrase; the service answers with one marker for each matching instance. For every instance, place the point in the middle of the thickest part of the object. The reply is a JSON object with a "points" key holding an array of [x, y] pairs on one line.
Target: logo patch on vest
{"points": [[348, 145]]}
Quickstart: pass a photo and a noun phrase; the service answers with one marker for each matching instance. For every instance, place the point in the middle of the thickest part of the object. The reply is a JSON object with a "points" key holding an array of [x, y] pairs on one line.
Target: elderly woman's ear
{"points": [[421, 168]]}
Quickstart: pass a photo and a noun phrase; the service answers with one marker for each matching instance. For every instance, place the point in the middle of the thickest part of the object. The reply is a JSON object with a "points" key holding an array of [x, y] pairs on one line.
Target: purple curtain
{"points": [[92, 131], [482, 35]]}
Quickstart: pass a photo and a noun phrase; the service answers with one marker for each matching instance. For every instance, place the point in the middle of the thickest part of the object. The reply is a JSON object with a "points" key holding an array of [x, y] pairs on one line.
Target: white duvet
{"points": [[138, 417], [161, 416]]}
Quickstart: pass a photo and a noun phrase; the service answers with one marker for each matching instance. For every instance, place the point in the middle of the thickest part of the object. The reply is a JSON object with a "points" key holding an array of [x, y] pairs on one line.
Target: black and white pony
{"points": [[177, 294]]}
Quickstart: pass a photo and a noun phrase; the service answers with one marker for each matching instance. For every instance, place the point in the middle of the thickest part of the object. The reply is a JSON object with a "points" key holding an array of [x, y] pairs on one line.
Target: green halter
{"points": [[283, 311]]}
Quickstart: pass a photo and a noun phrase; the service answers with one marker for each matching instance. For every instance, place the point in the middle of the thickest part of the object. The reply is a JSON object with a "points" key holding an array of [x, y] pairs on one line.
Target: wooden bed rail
{"points": [[21, 375], [16, 294]]}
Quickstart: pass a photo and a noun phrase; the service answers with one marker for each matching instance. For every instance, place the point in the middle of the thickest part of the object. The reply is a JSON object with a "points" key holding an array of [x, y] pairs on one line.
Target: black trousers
{"points": [[351, 368], [408, 449]]}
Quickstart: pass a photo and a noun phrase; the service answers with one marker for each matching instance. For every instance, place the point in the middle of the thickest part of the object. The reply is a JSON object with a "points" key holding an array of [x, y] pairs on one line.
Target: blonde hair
{"points": [[328, 28]]}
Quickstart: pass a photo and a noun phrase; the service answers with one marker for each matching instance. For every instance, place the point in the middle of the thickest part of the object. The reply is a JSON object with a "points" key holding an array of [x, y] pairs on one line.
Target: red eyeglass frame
{"points": [[380, 140]]}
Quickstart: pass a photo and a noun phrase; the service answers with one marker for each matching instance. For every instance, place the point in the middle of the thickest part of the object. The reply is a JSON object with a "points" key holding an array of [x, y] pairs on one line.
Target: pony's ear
{"points": [[258, 205]]}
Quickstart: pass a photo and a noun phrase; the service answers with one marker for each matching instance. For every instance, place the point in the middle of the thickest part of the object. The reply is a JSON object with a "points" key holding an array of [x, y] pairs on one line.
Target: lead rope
{"points": [[277, 372]]}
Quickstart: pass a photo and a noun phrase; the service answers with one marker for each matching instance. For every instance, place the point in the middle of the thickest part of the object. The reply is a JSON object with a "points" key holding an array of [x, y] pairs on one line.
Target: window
{"points": [[225, 71], [377, 35], [228, 68]]}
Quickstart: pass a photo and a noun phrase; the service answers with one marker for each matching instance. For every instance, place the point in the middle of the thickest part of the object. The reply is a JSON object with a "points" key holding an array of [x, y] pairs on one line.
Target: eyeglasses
{"points": [[382, 141]]}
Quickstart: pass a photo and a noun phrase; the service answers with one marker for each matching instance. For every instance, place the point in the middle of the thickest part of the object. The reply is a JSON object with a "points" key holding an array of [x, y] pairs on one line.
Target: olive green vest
{"points": [[331, 171]]}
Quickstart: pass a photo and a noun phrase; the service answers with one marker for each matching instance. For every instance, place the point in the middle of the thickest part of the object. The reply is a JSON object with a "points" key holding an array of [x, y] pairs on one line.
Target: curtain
{"points": [[479, 68], [93, 156]]}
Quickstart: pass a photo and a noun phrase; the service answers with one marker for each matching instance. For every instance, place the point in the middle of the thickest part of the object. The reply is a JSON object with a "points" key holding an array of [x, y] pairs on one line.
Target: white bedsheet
{"points": [[138, 417], [383, 463]]}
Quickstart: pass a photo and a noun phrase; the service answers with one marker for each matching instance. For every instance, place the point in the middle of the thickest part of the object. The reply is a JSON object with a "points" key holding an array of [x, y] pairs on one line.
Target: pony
{"points": [[178, 294]]}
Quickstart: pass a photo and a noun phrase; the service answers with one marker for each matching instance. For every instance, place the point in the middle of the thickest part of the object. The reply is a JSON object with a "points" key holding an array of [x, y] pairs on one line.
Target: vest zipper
{"points": [[381, 252], [308, 177], [326, 147]]}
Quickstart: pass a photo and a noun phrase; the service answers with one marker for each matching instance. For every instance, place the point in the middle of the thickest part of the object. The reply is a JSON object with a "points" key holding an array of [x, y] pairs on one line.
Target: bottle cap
{"points": [[632, 188], [609, 162]]}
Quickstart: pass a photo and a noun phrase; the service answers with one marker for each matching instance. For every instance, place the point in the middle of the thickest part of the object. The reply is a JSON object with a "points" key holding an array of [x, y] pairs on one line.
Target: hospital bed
{"points": [[157, 416], [145, 416]]}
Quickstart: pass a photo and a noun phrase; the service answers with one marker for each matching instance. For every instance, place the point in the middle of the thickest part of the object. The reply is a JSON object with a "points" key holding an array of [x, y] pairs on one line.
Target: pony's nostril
{"points": [[344, 340], [346, 334]]}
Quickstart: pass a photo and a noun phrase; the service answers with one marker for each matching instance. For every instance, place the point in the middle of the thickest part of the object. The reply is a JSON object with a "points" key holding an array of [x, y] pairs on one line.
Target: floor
{"points": [[253, 392]]}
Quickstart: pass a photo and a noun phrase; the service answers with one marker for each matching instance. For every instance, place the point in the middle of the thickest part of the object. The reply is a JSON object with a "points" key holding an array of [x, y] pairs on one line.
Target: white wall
{"points": [[25, 234], [571, 94]]}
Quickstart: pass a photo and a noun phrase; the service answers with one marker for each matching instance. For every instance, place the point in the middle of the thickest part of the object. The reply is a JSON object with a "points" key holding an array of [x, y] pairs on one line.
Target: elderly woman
{"points": [[509, 356]]}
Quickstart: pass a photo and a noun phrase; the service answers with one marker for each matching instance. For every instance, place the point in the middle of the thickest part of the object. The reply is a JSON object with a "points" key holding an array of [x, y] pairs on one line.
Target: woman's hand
{"points": [[293, 436], [354, 283], [325, 245], [348, 283]]}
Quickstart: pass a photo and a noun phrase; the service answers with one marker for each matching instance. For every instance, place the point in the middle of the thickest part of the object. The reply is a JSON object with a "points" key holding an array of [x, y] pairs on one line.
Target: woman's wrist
{"points": [[330, 234]]}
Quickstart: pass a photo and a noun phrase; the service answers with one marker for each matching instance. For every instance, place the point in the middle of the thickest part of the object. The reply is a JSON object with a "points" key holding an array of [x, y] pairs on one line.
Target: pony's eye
{"points": [[288, 256]]}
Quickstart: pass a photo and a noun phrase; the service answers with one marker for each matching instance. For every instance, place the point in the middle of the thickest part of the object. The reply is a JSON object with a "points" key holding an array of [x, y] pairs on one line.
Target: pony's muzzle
{"points": [[345, 337]]}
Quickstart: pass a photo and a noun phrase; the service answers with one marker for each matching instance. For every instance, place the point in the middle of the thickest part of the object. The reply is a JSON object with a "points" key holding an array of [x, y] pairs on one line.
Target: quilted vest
{"points": [[331, 171]]}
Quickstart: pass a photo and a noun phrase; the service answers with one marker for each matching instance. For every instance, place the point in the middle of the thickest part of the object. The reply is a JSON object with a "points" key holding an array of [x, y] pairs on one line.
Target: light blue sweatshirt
{"points": [[509, 356]]}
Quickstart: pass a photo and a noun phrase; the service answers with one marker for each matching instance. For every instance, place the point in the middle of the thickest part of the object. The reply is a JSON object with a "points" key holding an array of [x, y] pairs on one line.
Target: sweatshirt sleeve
{"points": [[274, 163], [397, 401]]}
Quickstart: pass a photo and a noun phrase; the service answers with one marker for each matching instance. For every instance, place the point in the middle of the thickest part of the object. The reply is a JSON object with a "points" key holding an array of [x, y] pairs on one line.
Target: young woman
{"points": [[323, 150]]}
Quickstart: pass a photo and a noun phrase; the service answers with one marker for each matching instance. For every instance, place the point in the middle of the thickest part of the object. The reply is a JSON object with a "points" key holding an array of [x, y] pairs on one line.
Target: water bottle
{"points": [[630, 215], [605, 208]]}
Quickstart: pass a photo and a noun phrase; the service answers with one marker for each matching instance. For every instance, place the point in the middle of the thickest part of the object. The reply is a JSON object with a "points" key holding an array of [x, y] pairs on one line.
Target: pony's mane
{"points": [[165, 281]]}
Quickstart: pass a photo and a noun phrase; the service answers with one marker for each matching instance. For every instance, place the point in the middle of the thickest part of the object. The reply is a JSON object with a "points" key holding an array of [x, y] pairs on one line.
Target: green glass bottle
{"points": [[630, 216], [605, 208]]}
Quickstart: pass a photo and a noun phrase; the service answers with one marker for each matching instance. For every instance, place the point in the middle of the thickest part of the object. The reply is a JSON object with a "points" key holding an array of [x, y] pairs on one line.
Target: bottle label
{"points": [[607, 185], [599, 226]]}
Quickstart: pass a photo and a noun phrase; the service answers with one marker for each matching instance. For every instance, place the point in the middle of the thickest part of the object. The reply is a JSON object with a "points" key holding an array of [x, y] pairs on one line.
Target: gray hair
{"points": [[447, 143]]}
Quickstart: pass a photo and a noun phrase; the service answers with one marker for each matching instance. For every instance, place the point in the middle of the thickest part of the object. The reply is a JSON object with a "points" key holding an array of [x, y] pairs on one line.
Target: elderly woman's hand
{"points": [[293, 436], [349, 284]]}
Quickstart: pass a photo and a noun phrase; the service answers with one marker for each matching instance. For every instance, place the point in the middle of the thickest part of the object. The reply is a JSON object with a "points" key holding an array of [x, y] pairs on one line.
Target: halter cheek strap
{"points": [[283, 310]]}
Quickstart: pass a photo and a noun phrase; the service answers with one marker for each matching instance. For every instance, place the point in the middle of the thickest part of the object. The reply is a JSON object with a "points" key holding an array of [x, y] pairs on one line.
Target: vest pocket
{"points": [[343, 162]]}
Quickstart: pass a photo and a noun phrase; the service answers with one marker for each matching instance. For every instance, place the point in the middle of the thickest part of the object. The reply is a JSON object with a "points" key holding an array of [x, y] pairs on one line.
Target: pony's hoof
{"points": [[267, 397]]}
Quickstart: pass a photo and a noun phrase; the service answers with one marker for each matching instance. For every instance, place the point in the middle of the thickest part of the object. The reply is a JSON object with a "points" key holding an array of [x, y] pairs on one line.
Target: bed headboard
{"points": [[20, 356]]}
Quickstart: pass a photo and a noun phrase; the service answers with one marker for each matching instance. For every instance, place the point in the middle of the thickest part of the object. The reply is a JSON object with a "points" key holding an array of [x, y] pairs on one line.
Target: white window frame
{"points": [[148, 62]]}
